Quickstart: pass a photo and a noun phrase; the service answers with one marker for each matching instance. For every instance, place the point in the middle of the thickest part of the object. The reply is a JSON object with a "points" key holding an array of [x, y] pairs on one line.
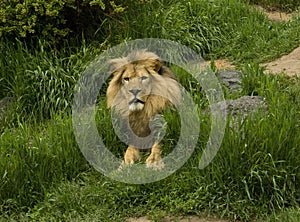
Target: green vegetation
{"points": [[51, 19], [228, 28], [255, 175]]}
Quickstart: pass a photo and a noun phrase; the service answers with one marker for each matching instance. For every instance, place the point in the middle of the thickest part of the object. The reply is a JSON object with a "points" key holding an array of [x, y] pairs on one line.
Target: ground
{"points": [[178, 219], [288, 64]]}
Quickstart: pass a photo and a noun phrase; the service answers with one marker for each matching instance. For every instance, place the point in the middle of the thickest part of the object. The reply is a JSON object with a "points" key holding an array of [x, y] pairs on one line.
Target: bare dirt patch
{"points": [[177, 219], [223, 64], [277, 16], [220, 64], [288, 64]]}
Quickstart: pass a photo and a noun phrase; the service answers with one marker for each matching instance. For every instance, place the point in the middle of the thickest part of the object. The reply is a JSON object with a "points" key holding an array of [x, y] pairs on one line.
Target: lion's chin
{"points": [[136, 106]]}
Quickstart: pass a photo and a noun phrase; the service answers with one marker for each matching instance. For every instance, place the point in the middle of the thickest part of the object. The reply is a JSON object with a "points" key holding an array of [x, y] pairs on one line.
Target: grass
{"points": [[255, 175], [42, 78], [255, 172], [228, 28], [33, 157]]}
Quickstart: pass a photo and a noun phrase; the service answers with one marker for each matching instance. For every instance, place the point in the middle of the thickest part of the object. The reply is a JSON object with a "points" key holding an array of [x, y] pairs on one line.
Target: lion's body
{"points": [[141, 87]]}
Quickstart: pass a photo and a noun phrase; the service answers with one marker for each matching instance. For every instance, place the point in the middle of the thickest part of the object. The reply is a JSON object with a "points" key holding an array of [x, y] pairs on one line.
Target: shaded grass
{"points": [[41, 79]]}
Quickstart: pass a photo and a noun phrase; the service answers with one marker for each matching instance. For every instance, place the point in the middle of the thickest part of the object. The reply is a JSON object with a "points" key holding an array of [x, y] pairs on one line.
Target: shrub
{"points": [[52, 19]]}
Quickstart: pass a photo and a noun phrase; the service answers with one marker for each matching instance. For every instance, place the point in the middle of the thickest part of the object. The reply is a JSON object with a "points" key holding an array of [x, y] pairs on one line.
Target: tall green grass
{"points": [[33, 158], [291, 215], [256, 171], [44, 177], [41, 79], [214, 29]]}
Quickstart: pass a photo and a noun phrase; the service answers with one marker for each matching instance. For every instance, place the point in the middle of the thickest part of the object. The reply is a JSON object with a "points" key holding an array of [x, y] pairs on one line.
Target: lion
{"points": [[141, 87]]}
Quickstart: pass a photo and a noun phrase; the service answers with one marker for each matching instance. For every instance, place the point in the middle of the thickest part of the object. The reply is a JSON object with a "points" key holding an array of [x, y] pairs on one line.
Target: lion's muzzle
{"points": [[136, 104]]}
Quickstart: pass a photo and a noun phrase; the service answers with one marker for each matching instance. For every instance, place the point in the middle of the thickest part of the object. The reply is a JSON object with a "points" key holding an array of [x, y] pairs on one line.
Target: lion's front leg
{"points": [[155, 160], [132, 155]]}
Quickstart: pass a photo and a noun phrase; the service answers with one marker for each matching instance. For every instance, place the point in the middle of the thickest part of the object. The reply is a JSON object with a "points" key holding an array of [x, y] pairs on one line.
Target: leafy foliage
{"points": [[53, 18]]}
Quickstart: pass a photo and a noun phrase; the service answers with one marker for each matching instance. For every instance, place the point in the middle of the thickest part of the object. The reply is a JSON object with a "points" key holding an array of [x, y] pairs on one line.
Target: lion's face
{"points": [[136, 84]]}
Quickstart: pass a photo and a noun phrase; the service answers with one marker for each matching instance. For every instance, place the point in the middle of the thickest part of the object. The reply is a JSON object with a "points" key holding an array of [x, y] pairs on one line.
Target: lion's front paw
{"points": [[132, 155], [154, 161]]}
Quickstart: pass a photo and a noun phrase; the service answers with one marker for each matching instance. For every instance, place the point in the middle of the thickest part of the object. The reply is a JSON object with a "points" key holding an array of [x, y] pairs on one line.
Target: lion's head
{"points": [[141, 83]]}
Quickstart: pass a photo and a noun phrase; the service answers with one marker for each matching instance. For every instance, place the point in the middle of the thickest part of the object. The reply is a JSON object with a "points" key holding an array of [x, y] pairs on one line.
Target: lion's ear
{"points": [[115, 65], [153, 64], [157, 65]]}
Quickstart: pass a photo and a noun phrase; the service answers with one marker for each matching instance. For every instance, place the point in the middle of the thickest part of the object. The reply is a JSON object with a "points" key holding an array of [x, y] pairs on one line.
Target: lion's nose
{"points": [[134, 91]]}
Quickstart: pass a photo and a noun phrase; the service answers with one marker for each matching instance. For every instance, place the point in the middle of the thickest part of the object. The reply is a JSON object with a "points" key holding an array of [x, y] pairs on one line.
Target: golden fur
{"points": [[141, 87]]}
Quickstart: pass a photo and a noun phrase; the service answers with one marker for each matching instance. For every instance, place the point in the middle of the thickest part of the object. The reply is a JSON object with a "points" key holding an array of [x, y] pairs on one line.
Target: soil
{"points": [[178, 219], [277, 16], [222, 64], [288, 64]]}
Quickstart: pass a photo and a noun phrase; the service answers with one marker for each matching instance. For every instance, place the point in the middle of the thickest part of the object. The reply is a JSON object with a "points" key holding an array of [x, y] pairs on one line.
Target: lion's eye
{"points": [[126, 79], [144, 78]]}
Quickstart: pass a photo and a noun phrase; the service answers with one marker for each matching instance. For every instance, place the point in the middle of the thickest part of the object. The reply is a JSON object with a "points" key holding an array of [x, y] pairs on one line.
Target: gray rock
{"points": [[240, 108], [243, 105], [232, 79]]}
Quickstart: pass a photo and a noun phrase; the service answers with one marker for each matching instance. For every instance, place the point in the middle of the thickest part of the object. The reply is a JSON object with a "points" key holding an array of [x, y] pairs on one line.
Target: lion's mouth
{"points": [[136, 104], [136, 100]]}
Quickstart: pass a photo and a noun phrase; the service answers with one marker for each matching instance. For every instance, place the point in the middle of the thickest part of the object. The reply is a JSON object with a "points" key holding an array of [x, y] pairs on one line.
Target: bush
{"points": [[51, 19]]}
